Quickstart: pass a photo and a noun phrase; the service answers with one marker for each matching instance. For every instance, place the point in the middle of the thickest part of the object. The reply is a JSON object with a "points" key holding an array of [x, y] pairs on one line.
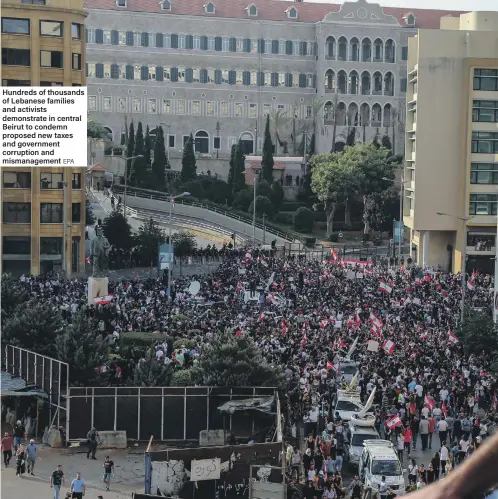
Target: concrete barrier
{"points": [[113, 439], [52, 437]]}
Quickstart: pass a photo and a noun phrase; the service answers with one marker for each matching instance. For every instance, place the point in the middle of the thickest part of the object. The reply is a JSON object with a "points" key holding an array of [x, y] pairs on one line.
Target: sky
{"points": [[465, 5]]}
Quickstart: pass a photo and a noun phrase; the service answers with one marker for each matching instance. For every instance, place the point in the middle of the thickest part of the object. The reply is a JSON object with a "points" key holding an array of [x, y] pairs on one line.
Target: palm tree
{"points": [[333, 117], [278, 119]]}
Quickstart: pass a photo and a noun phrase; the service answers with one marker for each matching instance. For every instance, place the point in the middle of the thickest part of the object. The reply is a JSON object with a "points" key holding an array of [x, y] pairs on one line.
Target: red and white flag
{"points": [[238, 332], [429, 402], [324, 323], [471, 284], [444, 409], [304, 340], [87, 259], [375, 320], [383, 286], [261, 316], [330, 365], [284, 327], [357, 320], [333, 253], [452, 338], [338, 343], [393, 422], [388, 346], [424, 335], [412, 356], [376, 331], [103, 300]]}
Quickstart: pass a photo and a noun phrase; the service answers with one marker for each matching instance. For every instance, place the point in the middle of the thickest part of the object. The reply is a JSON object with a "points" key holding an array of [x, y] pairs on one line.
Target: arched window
{"points": [[390, 52], [376, 115], [330, 48], [353, 82], [202, 142], [342, 82], [329, 81], [354, 49], [341, 114], [386, 120], [365, 114], [377, 83], [247, 143], [342, 49], [352, 114], [366, 50], [378, 52], [366, 85], [388, 83]]}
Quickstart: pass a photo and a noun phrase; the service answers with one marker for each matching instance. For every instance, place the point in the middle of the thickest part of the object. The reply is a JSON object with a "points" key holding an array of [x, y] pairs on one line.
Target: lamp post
{"points": [[171, 199], [402, 183], [254, 210], [218, 135], [131, 158], [168, 126], [65, 237], [464, 219]]}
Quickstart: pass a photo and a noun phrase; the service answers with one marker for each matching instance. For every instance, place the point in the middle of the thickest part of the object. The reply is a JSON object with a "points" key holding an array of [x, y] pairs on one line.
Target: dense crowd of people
{"points": [[304, 315]]}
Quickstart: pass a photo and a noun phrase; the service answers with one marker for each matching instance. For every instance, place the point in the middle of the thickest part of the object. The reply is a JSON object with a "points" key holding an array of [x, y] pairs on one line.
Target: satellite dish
{"points": [[194, 288]]}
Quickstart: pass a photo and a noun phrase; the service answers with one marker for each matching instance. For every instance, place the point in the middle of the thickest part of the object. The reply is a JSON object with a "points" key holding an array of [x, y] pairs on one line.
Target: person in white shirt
{"points": [[444, 457], [443, 394], [419, 390], [425, 412], [443, 430]]}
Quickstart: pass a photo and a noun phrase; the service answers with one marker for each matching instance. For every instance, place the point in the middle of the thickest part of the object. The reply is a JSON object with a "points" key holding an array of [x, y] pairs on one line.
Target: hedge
{"points": [[141, 339]]}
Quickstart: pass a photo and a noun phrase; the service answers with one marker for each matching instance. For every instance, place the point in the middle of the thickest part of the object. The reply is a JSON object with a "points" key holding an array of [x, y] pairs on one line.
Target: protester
{"points": [[7, 445]]}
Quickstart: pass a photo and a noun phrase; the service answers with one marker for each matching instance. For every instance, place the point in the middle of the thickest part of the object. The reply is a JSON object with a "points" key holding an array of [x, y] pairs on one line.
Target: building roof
{"points": [[256, 165], [268, 10], [97, 168]]}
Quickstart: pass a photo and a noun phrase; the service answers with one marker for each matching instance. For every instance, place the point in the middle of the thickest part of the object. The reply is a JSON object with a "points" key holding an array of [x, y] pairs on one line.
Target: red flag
{"points": [[261, 316], [444, 409], [324, 323], [238, 332], [330, 365], [412, 356], [304, 340], [87, 259], [284, 327], [333, 253], [471, 284], [429, 403], [388, 346], [453, 339], [393, 422], [103, 300]]}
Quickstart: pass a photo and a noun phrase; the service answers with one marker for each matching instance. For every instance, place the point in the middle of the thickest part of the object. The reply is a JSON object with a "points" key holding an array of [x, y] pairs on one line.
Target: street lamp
{"points": [[218, 135], [464, 219], [171, 199], [402, 183], [168, 126], [131, 158], [255, 180]]}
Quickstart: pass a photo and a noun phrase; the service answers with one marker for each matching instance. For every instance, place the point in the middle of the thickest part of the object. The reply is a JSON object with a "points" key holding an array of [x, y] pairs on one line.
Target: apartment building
{"points": [[43, 44], [216, 68], [451, 172]]}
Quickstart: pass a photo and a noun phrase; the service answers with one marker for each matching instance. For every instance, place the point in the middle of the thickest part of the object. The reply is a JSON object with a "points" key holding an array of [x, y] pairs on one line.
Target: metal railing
{"points": [[162, 196]]}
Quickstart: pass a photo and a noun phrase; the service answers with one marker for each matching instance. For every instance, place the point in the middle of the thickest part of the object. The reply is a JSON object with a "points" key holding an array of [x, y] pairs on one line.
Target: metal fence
{"points": [[168, 414], [50, 375]]}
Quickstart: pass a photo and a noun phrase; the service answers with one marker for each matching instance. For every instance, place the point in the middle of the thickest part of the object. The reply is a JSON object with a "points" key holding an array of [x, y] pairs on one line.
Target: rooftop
{"points": [[269, 10]]}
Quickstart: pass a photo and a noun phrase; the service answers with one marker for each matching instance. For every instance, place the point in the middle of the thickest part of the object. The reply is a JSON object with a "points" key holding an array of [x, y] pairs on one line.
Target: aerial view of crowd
{"points": [[304, 315]]}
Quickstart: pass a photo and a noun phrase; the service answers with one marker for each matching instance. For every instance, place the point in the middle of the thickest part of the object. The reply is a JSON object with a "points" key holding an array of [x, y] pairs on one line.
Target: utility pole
{"points": [[254, 211], [65, 207], [264, 228]]}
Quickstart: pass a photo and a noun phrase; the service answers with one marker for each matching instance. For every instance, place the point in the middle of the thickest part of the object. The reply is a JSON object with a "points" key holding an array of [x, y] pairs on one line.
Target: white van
{"points": [[379, 458]]}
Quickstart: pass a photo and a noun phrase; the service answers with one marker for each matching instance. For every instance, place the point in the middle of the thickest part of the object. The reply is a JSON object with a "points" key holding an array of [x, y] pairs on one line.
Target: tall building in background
{"points": [[216, 69], [451, 172], [43, 44]]}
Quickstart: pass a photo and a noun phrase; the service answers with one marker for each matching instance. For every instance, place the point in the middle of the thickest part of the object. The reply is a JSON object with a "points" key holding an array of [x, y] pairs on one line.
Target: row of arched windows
{"points": [[356, 84], [343, 49], [354, 115]]}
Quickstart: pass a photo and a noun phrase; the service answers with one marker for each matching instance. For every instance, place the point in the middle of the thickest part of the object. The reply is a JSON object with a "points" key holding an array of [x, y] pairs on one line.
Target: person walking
{"points": [[20, 461], [423, 428], [56, 481], [92, 440], [443, 430], [432, 428], [108, 471], [436, 465], [78, 487], [7, 444], [19, 435], [31, 456], [400, 445], [443, 453], [383, 488], [412, 471], [408, 440]]}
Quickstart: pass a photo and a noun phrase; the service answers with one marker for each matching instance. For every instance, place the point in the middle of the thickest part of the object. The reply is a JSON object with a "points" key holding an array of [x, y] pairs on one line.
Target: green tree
{"points": [[478, 333], [239, 179], [232, 360], [118, 231], [277, 195], [263, 206], [139, 172], [195, 188], [148, 159], [35, 326], [303, 219], [130, 148], [83, 348], [160, 162], [12, 294], [335, 177], [243, 199], [312, 146], [386, 142], [263, 188], [150, 372], [231, 166], [95, 130], [89, 216], [380, 208], [149, 237], [184, 244], [189, 165], [182, 377], [267, 158], [303, 145], [351, 137]]}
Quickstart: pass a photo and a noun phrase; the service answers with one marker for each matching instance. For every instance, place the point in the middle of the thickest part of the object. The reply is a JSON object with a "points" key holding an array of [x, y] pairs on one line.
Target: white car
{"points": [[353, 446]]}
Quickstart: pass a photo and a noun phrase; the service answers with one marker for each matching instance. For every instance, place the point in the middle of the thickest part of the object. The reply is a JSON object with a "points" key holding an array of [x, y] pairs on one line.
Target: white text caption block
{"points": [[44, 126]]}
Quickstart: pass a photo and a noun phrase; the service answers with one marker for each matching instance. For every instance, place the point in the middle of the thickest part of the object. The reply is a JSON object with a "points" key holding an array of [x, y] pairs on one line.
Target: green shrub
{"points": [[183, 377], [140, 339], [263, 205], [334, 237], [290, 206], [184, 342], [310, 241], [284, 218], [243, 199], [303, 219]]}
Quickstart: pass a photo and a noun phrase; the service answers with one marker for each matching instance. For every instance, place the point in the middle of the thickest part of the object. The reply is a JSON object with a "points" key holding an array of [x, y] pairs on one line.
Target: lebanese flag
{"points": [[383, 286], [330, 365], [261, 317], [376, 331], [424, 335], [388, 346], [103, 300], [284, 327], [338, 343], [375, 320], [247, 257], [393, 422], [471, 285], [444, 409], [333, 253], [87, 259], [324, 323], [238, 332], [357, 320], [452, 338], [429, 403], [412, 356], [304, 340], [350, 322]]}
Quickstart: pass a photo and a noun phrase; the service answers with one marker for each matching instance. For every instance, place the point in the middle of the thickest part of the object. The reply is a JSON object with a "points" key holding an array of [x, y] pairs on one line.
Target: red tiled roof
{"points": [[268, 10], [97, 168], [256, 165]]}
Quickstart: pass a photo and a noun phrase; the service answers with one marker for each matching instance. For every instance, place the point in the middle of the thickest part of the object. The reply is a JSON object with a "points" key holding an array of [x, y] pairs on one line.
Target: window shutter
{"points": [[99, 70], [99, 36], [174, 74], [144, 39], [217, 43], [303, 48], [204, 42], [189, 75], [129, 38], [159, 73], [246, 78], [261, 46], [314, 81], [274, 79], [144, 73], [274, 46], [261, 79], [129, 72], [189, 42], [232, 44], [217, 76], [247, 45], [174, 41], [288, 79], [288, 47], [232, 77], [159, 40], [114, 37], [203, 76], [302, 80], [114, 71]]}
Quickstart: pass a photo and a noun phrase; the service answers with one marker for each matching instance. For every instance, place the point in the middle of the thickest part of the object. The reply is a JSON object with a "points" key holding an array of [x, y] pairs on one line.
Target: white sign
{"points": [[373, 346], [205, 469], [44, 126]]}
